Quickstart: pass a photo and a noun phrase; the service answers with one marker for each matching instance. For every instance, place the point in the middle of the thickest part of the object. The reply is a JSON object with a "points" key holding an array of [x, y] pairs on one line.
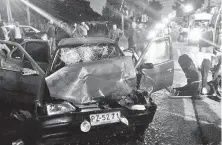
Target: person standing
{"points": [[84, 29], [75, 31], [115, 33], [132, 36], [3, 32], [16, 34], [51, 35], [63, 32]]}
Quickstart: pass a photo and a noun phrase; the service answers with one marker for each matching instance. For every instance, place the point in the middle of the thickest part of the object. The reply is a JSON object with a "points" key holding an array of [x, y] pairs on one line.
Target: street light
{"points": [[188, 8], [159, 26], [165, 20]]}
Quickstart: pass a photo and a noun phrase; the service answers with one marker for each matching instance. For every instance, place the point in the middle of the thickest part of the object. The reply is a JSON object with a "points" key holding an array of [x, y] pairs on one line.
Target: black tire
{"points": [[140, 131]]}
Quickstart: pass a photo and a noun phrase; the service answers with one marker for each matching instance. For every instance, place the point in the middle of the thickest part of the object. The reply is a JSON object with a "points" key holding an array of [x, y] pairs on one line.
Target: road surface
{"points": [[185, 121], [180, 121]]}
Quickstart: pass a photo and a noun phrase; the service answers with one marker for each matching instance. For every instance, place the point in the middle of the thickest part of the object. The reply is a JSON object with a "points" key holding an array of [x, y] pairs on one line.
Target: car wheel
{"points": [[140, 132]]}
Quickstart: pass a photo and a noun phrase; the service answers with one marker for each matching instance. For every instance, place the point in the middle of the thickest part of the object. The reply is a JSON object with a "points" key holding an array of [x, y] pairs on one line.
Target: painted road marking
{"points": [[189, 113]]}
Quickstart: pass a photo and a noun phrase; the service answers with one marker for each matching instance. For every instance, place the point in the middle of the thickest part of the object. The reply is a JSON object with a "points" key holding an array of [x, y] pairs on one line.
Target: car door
{"points": [[18, 83], [159, 55], [39, 51], [10, 69]]}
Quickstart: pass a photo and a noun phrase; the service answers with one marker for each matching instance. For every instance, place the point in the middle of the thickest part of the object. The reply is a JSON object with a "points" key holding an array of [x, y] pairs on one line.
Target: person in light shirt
{"points": [[16, 34], [84, 29]]}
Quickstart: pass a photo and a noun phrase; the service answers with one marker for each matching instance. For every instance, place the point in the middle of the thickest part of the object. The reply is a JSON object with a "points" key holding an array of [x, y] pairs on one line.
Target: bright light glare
{"points": [[45, 14], [165, 20], [188, 8], [159, 26], [170, 16], [40, 11], [195, 34], [11, 26], [151, 35]]}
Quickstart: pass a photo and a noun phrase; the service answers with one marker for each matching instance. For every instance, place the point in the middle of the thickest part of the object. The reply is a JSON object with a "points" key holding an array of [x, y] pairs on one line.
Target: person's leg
{"points": [[187, 90], [205, 68], [51, 44], [192, 75]]}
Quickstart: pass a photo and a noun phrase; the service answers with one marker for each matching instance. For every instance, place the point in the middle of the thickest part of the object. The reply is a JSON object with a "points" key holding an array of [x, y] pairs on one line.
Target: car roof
{"points": [[19, 25], [84, 40], [35, 40]]}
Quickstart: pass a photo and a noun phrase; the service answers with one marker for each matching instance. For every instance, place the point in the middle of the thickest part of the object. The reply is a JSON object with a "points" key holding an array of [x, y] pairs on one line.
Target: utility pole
{"points": [[28, 14], [9, 12]]}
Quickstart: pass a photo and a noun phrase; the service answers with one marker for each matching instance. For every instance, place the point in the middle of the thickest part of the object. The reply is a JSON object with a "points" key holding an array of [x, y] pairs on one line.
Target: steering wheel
{"points": [[11, 52]]}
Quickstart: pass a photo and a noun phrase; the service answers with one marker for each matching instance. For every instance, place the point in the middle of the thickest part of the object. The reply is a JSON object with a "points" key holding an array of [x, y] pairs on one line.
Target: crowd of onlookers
{"points": [[56, 31], [16, 34]]}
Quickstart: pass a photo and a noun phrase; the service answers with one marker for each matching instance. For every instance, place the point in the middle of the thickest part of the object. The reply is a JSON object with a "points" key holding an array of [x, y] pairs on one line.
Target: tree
{"points": [[177, 7], [155, 4], [75, 10], [135, 9], [112, 12]]}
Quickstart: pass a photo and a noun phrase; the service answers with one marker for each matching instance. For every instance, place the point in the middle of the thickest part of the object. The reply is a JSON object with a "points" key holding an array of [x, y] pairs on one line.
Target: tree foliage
{"points": [[155, 4], [68, 10], [65, 10], [113, 10]]}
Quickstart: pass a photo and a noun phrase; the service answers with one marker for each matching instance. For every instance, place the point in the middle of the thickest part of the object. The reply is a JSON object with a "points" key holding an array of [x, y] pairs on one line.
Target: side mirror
{"points": [[146, 66]]}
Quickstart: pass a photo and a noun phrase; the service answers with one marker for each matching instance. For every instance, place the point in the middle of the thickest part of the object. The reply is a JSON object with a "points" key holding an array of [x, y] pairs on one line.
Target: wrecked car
{"points": [[90, 85]]}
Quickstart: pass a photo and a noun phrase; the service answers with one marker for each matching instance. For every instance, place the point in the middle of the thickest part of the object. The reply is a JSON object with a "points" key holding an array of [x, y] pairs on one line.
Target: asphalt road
{"points": [[183, 121]]}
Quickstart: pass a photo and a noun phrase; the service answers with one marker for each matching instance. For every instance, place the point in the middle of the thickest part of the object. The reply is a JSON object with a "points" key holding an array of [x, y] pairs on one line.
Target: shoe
{"points": [[204, 91]]}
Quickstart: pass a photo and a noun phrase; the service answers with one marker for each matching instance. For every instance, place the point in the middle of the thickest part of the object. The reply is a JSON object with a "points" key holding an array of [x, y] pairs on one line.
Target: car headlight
{"points": [[64, 107], [152, 35], [44, 37]]}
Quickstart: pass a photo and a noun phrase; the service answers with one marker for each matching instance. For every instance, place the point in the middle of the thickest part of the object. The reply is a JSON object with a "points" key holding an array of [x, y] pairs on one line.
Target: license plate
{"points": [[104, 118]]}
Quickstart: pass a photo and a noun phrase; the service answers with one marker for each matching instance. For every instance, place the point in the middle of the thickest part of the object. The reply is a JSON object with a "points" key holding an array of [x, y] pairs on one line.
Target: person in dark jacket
{"points": [[64, 31], [115, 33], [193, 76]]}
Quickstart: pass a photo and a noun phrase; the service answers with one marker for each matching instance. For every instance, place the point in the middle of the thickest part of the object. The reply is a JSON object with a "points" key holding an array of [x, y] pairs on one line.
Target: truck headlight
{"points": [[195, 34], [152, 35], [64, 107]]}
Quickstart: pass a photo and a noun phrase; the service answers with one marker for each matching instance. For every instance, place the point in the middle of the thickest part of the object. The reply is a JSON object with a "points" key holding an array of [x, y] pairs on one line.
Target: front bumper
{"points": [[65, 128]]}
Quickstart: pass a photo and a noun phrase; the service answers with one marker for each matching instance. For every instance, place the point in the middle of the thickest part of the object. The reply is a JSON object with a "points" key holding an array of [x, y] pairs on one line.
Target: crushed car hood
{"points": [[89, 81]]}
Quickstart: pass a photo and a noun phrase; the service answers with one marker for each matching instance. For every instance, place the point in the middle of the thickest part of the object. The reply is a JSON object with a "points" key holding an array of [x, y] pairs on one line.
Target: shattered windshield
{"points": [[84, 53]]}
